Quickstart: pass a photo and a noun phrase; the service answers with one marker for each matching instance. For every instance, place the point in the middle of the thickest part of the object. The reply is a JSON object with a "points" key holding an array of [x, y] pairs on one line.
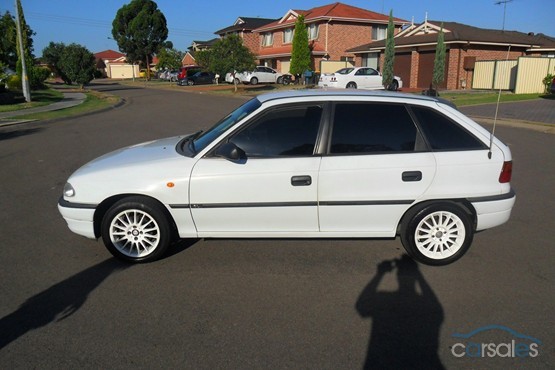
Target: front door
{"points": [[272, 190]]}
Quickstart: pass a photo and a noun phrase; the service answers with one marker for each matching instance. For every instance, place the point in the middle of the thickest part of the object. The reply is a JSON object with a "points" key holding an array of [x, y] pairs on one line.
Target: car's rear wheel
{"points": [[254, 81], [351, 85], [237, 81], [136, 229], [394, 86], [437, 233]]}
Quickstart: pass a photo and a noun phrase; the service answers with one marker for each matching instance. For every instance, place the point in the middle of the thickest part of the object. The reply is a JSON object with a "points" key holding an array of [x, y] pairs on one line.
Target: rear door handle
{"points": [[411, 176], [301, 180]]}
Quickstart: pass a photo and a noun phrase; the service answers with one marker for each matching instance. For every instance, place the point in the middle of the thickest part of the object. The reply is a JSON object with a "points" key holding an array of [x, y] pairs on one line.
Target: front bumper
{"points": [[79, 217]]}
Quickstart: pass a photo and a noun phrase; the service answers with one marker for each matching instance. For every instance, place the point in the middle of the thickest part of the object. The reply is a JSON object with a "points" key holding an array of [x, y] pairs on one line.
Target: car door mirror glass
{"points": [[230, 152]]}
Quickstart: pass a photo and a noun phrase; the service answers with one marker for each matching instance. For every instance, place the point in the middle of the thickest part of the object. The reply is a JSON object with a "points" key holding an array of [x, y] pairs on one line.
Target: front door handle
{"points": [[411, 176], [301, 180]]}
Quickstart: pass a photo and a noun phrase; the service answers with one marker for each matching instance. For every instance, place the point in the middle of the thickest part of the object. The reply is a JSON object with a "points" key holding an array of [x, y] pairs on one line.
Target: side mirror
{"points": [[230, 151]]}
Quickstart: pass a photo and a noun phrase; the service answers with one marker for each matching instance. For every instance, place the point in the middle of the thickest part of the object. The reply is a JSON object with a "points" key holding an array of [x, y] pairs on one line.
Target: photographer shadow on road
{"points": [[405, 323], [57, 302]]}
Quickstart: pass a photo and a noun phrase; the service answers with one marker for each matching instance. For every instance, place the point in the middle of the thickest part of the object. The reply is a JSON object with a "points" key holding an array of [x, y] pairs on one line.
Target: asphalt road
{"points": [[237, 304]]}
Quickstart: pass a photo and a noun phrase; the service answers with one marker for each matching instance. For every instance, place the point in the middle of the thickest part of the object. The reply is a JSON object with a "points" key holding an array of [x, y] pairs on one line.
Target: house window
{"points": [[288, 36], [267, 39], [379, 32], [312, 31]]}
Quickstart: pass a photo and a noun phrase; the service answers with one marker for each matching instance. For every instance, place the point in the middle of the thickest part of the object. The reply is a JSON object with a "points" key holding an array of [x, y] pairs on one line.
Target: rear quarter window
{"points": [[442, 133]]}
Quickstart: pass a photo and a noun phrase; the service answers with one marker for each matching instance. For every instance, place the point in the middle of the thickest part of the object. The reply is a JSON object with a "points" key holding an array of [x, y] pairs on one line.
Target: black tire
{"points": [[394, 86], [190, 82], [351, 85], [237, 81], [254, 81], [444, 242], [279, 80], [137, 229]]}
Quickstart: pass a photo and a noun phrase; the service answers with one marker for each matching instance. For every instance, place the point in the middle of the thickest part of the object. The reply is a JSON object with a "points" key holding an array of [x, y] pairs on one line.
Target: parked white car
{"points": [[357, 78], [260, 74], [303, 164]]}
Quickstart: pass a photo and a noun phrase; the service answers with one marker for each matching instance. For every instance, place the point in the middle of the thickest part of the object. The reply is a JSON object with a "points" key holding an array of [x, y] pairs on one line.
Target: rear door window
{"points": [[372, 128]]}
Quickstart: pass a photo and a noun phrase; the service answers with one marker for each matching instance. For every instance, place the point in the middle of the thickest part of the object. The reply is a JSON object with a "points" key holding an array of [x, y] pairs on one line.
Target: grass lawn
{"points": [[38, 98], [94, 101], [474, 98]]}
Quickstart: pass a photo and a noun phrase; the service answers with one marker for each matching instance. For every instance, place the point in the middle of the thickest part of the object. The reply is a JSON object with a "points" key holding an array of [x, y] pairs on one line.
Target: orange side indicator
{"points": [[170, 184]]}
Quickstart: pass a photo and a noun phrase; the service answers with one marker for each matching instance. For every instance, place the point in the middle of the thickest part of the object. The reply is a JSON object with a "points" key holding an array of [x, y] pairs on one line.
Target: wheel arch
{"points": [[464, 204], [107, 203]]}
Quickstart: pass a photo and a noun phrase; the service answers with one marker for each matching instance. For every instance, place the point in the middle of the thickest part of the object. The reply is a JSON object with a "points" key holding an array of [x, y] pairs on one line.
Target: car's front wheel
{"points": [[136, 229], [437, 234], [279, 80], [190, 82]]}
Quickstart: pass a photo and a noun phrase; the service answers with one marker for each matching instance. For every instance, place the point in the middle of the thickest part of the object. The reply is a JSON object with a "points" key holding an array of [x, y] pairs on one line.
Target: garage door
{"points": [[426, 69], [402, 67], [285, 66]]}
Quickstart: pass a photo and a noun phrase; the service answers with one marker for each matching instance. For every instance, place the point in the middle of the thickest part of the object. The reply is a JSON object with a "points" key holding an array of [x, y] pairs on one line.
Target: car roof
{"points": [[324, 93]]}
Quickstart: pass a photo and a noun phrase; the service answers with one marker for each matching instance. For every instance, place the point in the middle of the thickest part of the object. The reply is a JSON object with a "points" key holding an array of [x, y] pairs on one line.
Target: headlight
{"points": [[68, 190]]}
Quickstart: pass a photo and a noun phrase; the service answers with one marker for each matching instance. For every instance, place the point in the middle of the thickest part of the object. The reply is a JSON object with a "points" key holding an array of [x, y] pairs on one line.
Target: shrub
{"points": [[547, 81], [14, 83]]}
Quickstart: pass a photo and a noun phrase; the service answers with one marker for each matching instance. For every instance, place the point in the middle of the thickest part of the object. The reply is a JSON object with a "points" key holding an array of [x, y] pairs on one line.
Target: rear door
{"points": [[377, 166]]}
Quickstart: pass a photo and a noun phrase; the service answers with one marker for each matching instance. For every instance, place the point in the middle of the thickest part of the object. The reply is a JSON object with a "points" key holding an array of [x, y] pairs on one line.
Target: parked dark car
{"points": [[187, 71], [198, 79]]}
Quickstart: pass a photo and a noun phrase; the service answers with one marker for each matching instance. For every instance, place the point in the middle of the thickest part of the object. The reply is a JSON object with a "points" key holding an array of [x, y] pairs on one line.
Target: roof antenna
{"points": [[496, 110], [504, 2]]}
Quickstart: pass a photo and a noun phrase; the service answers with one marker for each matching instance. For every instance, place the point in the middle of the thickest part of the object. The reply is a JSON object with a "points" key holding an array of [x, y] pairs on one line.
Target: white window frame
{"points": [[288, 35], [267, 39], [312, 30], [380, 32]]}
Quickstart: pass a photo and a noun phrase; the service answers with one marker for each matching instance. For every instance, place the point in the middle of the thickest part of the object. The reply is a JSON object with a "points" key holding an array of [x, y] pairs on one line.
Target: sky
{"points": [[89, 23]]}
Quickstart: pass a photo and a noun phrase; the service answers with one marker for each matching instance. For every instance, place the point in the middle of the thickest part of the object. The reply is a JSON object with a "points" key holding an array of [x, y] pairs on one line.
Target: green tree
{"points": [[300, 54], [439, 62], [227, 55], [77, 63], [140, 30], [169, 58], [8, 41], [52, 54], [389, 57]]}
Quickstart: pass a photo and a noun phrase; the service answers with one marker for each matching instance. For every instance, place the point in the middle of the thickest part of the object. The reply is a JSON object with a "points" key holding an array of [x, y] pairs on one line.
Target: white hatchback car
{"points": [[260, 74], [303, 164], [358, 78]]}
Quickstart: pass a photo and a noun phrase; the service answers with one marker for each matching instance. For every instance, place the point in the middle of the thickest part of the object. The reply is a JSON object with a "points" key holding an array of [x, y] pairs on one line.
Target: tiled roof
{"points": [[286, 51], [108, 54], [336, 11], [457, 32], [245, 23]]}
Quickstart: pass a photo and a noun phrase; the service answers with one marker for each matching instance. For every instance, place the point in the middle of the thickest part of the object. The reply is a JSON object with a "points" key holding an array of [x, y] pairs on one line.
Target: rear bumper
{"points": [[79, 217], [493, 210]]}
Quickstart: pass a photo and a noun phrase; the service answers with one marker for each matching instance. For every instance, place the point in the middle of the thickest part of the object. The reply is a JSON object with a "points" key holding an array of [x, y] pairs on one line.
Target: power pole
{"points": [[504, 2], [24, 79]]}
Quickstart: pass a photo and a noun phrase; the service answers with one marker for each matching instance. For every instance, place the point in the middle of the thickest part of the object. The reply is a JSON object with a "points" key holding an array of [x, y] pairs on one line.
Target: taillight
{"points": [[506, 172]]}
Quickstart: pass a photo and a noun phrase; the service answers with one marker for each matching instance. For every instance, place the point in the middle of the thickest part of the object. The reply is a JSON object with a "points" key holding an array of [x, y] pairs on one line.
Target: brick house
{"points": [[332, 30], [189, 57], [244, 27], [415, 51]]}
